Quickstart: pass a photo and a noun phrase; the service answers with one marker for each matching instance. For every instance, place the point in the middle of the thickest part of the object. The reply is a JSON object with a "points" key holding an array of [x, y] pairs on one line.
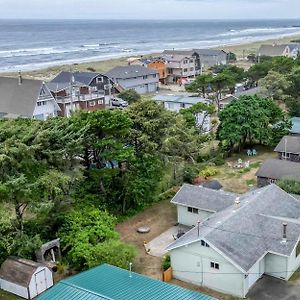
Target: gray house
{"points": [[181, 65], [176, 103], [26, 98], [139, 78], [210, 57], [275, 169], [289, 148], [229, 250], [289, 50]]}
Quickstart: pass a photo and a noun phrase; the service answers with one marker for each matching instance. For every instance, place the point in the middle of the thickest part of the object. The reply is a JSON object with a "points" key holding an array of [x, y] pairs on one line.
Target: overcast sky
{"points": [[150, 9]]}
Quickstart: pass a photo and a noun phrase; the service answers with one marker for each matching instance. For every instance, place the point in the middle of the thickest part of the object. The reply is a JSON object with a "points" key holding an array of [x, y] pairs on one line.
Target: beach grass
{"points": [[242, 51]]}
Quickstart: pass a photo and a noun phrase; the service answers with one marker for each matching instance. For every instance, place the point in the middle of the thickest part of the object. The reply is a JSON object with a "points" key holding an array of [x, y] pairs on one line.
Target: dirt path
{"points": [[159, 217]]}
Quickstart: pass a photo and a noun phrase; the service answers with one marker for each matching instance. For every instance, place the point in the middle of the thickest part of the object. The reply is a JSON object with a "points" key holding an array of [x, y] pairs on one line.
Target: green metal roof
{"points": [[107, 282]]}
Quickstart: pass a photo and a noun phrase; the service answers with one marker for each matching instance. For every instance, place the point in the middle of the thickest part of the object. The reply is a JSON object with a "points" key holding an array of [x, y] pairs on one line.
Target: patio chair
{"points": [[249, 152], [254, 153]]}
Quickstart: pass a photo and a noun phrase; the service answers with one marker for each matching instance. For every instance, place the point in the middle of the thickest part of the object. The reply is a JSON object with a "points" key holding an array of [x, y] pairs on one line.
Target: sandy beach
{"points": [[241, 50]]}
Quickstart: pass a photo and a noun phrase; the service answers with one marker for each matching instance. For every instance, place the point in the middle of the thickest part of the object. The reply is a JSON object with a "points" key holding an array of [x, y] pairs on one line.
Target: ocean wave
{"points": [[266, 30]]}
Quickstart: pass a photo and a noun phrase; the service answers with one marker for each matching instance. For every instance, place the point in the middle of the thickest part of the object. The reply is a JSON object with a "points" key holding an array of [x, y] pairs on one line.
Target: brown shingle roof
{"points": [[18, 270]]}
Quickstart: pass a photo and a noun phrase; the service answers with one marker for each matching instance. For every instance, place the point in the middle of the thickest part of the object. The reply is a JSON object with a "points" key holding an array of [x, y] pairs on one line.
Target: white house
{"points": [[176, 103], [26, 98], [25, 278], [238, 239]]}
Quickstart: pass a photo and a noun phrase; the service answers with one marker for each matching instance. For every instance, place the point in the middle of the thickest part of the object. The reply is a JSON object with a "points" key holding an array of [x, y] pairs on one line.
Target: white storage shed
{"points": [[25, 278]]}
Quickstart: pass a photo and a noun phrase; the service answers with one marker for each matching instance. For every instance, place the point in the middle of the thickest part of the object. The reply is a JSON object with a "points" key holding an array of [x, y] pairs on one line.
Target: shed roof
{"points": [[18, 270], [112, 283], [244, 234], [126, 72], [289, 144], [278, 169], [19, 99], [271, 50], [203, 198]]}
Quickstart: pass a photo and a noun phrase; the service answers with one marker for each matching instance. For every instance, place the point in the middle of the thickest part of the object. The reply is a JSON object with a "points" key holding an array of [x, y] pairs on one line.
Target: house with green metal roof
{"points": [[107, 282]]}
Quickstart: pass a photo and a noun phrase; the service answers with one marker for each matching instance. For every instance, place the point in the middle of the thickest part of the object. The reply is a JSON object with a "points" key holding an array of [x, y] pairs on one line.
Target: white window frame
{"points": [[92, 103]]}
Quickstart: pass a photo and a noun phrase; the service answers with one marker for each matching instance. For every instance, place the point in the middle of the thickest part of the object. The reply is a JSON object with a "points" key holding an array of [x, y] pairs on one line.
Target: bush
{"points": [[166, 264], [189, 173], [219, 161], [91, 69], [208, 172], [130, 96]]}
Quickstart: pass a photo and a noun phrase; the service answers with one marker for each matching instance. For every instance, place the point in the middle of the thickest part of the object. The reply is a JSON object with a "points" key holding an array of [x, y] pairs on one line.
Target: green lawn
{"points": [[7, 296]]}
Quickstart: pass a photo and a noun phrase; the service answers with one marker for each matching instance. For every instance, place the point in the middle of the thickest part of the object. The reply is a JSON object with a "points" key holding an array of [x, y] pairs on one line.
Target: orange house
{"points": [[160, 66]]}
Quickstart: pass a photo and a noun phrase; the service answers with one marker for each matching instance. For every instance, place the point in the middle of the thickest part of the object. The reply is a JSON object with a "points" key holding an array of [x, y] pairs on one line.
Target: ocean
{"points": [[35, 44]]}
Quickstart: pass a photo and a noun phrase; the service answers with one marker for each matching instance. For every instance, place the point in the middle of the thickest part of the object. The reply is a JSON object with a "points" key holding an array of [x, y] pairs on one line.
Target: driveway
{"points": [[269, 288]]}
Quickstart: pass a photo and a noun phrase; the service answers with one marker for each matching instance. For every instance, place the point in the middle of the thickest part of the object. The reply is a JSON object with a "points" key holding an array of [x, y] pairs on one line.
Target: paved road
{"points": [[269, 288]]}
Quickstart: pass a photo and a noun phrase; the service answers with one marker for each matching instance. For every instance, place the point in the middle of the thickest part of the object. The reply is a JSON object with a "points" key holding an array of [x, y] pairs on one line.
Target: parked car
{"points": [[119, 102]]}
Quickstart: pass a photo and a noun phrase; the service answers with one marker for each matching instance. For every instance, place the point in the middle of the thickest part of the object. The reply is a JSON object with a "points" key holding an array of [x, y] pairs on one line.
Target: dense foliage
{"points": [[251, 120], [69, 177]]}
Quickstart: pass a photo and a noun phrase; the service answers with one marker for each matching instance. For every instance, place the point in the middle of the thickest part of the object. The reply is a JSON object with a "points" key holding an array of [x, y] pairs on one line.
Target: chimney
{"points": [[237, 202], [20, 78], [284, 235]]}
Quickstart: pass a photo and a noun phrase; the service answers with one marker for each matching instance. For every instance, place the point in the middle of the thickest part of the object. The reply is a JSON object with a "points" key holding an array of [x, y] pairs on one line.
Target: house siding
{"points": [[293, 263], [192, 264], [141, 85], [191, 219], [14, 288], [293, 157]]}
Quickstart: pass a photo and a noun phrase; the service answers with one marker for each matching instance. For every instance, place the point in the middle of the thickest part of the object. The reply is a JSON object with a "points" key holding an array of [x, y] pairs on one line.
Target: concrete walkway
{"points": [[157, 247]]}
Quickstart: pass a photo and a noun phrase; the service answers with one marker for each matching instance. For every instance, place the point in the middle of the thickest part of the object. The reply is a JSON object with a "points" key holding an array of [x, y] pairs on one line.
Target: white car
{"points": [[119, 102]]}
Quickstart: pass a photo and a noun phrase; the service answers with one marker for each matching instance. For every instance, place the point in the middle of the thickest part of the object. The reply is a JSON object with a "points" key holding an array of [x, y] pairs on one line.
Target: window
{"points": [[214, 265], [185, 61], [272, 181], [92, 103], [99, 79], [204, 244], [100, 102], [145, 77], [185, 70], [193, 210], [286, 155], [191, 69]]}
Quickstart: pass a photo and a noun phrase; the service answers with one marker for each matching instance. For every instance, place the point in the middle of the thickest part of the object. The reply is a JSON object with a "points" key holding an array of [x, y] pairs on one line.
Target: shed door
{"points": [[40, 281]]}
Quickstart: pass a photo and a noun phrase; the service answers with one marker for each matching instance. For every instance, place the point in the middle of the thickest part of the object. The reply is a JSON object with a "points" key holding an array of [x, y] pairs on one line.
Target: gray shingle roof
{"points": [[209, 52], [127, 72], [180, 52], [278, 169], [84, 78], [289, 144], [245, 233], [271, 50], [203, 198], [19, 99]]}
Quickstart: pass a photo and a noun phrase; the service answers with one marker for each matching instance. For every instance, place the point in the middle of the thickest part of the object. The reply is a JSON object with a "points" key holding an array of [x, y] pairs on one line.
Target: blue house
{"points": [[107, 282]]}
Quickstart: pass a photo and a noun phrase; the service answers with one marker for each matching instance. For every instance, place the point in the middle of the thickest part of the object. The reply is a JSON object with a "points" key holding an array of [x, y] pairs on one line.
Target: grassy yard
{"points": [[242, 180], [7, 296]]}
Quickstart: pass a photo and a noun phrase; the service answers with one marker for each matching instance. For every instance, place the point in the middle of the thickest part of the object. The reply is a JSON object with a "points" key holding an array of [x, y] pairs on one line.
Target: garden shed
{"points": [[24, 277]]}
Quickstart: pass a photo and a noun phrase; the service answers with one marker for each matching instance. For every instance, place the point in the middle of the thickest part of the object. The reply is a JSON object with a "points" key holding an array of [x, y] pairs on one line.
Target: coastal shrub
{"points": [[130, 96], [166, 264], [291, 186], [219, 161], [189, 173], [208, 172]]}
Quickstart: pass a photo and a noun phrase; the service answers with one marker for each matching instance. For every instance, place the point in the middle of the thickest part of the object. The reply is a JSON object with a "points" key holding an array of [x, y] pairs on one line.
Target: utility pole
{"points": [[71, 90]]}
